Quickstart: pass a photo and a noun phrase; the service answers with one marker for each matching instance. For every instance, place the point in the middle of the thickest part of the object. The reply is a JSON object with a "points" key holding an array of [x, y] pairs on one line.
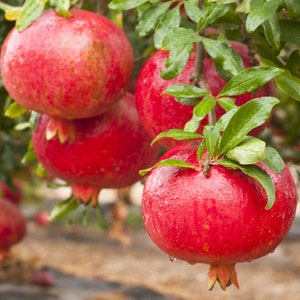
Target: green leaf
{"points": [[289, 84], [200, 150], [15, 111], [169, 163], [273, 160], [192, 10], [212, 13], [293, 7], [125, 4], [225, 119], [200, 111], [62, 209], [150, 17], [180, 42], [170, 20], [211, 136], [250, 151], [176, 134], [222, 1], [32, 10], [256, 173], [248, 116], [226, 103], [62, 7], [224, 55], [181, 90], [249, 80], [272, 31], [260, 11]]}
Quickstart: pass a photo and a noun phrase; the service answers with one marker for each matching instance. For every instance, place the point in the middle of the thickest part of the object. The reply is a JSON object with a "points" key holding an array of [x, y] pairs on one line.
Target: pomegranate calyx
{"points": [[62, 128], [225, 274], [86, 194]]}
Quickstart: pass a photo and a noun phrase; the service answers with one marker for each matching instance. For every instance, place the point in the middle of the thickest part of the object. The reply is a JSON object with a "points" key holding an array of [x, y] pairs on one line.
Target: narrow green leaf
{"points": [[272, 31], [200, 111], [256, 173], [211, 136], [176, 134], [192, 10], [273, 160], [222, 1], [200, 150], [62, 7], [248, 116], [169, 163], [180, 42], [260, 11], [15, 111], [249, 80], [185, 91], [212, 13], [249, 151], [226, 103], [225, 119], [150, 17], [170, 20], [224, 55], [11, 12], [289, 84], [32, 10], [125, 4], [62, 209]]}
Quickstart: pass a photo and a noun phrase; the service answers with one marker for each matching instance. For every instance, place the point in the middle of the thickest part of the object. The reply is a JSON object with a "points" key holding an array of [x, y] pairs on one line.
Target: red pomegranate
{"points": [[12, 226], [161, 112], [13, 194], [107, 152], [219, 219], [68, 68]]}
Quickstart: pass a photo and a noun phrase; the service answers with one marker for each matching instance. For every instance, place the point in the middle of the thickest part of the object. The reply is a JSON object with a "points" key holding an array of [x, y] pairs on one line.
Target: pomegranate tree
{"points": [[68, 68], [12, 226], [218, 218], [160, 112], [107, 152]]}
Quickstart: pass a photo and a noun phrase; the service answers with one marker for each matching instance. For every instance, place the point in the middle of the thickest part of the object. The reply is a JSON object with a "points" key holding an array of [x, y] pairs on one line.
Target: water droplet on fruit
{"points": [[172, 259]]}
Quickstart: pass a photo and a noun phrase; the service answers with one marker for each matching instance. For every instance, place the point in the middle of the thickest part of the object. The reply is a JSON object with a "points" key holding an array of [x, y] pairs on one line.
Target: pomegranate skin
{"points": [[161, 112], [218, 220], [107, 152], [69, 68], [12, 226]]}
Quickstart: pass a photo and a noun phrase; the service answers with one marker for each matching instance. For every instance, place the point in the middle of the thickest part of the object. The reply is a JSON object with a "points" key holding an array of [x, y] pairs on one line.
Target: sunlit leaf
{"points": [[176, 134], [15, 110], [62, 209], [273, 160]]}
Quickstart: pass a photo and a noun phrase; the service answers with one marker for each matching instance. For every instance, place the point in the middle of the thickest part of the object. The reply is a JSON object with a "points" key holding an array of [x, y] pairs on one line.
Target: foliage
{"points": [[271, 30]]}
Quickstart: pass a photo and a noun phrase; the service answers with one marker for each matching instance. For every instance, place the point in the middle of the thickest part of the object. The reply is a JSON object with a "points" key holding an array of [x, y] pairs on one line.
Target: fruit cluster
{"points": [[74, 73], [217, 215]]}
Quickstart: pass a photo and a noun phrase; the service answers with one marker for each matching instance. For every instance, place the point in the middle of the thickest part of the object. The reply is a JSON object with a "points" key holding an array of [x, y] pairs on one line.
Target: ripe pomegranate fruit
{"points": [[161, 112], [68, 68], [219, 219], [107, 152], [13, 195], [12, 226]]}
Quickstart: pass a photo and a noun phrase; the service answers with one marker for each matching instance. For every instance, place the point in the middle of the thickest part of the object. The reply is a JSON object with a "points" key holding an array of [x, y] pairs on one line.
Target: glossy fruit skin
{"points": [[69, 68], [13, 195], [108, 150], [219, 219], [161, 112], [12, 226]]}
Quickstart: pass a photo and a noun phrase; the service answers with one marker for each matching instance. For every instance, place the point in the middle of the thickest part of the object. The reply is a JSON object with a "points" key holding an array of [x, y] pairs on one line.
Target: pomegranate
{"points": [[217, 220], [13, 194], [12, 226], [68, 68], [107, 152], [161, 112]]}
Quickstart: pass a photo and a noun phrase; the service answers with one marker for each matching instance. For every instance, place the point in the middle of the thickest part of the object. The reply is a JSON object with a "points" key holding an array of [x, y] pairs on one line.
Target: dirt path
{"points": [[73, 251]]}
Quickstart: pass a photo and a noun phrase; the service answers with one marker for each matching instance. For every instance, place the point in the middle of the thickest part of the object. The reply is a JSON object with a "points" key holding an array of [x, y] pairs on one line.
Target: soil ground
{"points": [[93, 266]]}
